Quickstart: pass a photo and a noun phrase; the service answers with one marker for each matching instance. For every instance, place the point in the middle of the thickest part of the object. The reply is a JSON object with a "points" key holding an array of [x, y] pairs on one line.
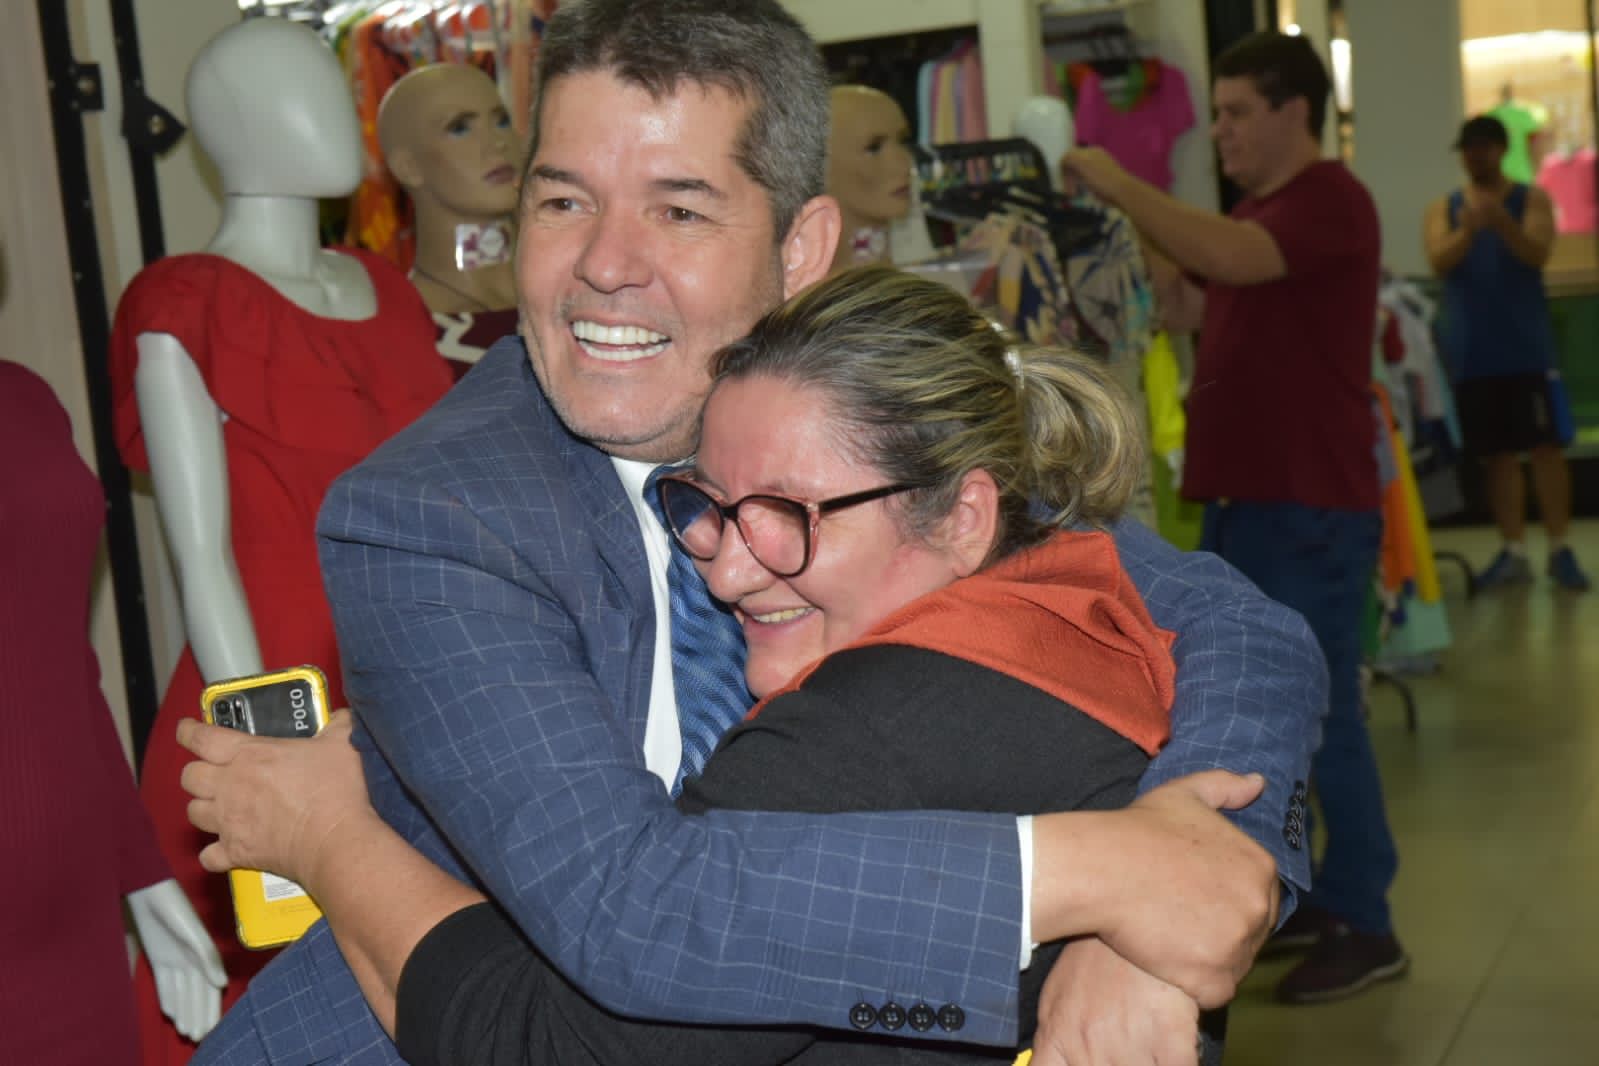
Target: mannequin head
{"points": [[270, 106], [1047, 122], [868, 156], [447, 139]]}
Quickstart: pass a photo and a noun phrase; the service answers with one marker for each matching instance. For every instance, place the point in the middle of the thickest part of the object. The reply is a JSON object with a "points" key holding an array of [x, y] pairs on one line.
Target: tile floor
{"points": [[1495, 804]]}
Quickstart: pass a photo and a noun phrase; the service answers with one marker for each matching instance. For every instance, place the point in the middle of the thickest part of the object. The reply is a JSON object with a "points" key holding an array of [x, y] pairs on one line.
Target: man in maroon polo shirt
{"points": [[1281, 442]]}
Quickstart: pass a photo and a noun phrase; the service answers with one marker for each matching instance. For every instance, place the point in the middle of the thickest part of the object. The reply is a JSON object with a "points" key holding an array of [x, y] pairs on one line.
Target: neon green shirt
{"points": [[1521, 122]]}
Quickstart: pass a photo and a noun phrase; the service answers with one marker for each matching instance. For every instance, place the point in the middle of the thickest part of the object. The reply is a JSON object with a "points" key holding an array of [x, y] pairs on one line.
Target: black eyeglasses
{"points": [[780, 531]]}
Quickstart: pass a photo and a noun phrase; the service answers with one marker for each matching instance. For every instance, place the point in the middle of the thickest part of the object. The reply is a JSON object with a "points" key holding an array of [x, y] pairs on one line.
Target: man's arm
{"points": [[1251, 688], [1532, 240], [471, 675], [1212, 246], [1447, 246]]}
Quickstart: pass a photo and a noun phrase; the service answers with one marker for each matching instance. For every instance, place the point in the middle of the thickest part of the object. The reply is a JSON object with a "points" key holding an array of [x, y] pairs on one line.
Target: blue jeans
{"points": [[1321, 563]]}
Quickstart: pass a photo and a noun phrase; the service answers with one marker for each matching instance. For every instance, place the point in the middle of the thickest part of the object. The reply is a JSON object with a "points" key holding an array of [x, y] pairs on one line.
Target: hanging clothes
{"points": [[1569, 179], [1110, 288], [1431, 426], [1139, 121], [1096, 297], [1416, 623], [380, 217], [1522, 121], [380, 43]]}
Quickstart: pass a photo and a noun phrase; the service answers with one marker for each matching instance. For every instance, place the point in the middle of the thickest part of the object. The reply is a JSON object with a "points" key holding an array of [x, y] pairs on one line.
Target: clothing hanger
{"points": [[969, 181]]}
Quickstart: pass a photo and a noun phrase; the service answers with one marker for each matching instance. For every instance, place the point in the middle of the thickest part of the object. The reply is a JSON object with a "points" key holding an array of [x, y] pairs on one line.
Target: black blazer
{"points": [[886, 727]]}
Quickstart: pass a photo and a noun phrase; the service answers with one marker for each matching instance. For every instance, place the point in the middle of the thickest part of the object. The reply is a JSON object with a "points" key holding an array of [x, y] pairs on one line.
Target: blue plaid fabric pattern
{"points": [[707, 654]]}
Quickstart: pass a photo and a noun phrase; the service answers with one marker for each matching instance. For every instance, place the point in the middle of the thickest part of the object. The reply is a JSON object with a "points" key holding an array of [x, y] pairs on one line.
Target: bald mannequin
{"points": [[868, 171], [448, 141]]}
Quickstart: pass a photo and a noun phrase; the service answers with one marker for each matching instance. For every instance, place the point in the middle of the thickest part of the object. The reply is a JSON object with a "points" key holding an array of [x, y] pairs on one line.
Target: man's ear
{"points": [[808, 249], [402, 164], [1297, 108], [969, 529]]}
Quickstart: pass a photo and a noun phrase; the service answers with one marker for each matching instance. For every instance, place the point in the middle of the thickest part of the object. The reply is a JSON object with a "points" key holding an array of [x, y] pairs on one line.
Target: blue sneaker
{"points": [[1566, 573], [1507, 568]]}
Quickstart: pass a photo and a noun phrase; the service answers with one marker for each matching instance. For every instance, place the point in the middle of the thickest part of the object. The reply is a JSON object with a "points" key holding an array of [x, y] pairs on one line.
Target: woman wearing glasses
{"points": [[918, 637]]}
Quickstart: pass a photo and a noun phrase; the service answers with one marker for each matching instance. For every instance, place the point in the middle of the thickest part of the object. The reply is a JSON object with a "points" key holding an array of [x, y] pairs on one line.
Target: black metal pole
{"points": [[74, 89]]}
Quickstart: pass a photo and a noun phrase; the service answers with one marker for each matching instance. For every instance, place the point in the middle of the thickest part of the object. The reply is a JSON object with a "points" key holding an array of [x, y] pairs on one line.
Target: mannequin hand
{"points": [[275, 804], [1098, 1009], [188, 971], [1092, 169]]}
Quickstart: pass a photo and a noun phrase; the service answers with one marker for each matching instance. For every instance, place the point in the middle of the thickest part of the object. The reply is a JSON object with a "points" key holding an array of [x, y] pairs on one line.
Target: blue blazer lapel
{"points": [[610, 517]]}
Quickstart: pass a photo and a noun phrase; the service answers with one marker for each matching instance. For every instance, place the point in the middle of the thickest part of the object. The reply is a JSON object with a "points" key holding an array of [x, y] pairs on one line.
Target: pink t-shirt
{"points": [[1569, 181], [1140, 139]]}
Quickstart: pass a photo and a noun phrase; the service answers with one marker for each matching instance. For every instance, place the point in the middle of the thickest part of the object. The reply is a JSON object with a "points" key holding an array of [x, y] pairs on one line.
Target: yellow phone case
{"points": [[269, 910]]}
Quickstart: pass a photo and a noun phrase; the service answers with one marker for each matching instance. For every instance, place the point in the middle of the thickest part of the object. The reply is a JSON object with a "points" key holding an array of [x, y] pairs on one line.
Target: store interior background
{"points": [[1493, 795]]}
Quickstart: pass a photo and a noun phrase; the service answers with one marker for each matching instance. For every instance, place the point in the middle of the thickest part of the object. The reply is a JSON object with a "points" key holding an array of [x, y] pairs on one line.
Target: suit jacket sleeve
{"points": [[874, 727], [1251, 687], [463, 658]]}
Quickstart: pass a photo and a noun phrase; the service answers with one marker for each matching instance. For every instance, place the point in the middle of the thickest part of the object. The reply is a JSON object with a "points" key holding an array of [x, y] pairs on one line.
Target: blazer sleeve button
{"points": [[921, 1017], [951, 1018], [892, 1016], [863, 1015]]}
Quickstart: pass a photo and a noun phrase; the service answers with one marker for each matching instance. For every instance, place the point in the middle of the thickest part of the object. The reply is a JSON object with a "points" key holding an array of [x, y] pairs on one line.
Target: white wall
{"points": [[1407, 94], [1180, 39]]}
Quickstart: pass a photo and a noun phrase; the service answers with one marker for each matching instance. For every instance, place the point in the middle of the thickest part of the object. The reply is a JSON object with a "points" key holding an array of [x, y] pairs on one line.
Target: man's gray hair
{"points": [[751, 48]]}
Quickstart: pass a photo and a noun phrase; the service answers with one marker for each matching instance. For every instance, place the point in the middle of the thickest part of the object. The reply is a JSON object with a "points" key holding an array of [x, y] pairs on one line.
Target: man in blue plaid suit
{"points": [[498, 584]]}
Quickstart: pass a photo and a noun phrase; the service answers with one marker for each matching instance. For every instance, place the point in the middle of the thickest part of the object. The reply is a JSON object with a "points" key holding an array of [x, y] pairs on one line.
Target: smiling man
{"points": [[1281, 441], [531, 690]]}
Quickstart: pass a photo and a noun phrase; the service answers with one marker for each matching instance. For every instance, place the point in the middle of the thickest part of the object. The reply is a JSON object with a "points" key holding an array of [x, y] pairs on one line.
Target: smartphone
{"points": [[270, 910]]}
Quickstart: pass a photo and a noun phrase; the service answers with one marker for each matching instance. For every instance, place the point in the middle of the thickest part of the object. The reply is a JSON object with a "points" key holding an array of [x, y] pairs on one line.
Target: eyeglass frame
{"points": [[814, 511]]}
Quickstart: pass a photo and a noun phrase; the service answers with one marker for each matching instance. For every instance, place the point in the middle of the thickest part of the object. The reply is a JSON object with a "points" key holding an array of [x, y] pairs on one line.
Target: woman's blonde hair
{"points": [[925, 390]]}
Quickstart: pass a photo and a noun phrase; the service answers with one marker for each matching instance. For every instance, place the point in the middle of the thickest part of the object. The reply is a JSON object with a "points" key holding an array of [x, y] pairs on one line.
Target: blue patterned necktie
{"points": [[707, 655]]}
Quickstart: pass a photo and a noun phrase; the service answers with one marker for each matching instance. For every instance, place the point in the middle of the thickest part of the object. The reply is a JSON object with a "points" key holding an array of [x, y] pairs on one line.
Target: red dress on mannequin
{"points": [[74, 839], [303, 398]]}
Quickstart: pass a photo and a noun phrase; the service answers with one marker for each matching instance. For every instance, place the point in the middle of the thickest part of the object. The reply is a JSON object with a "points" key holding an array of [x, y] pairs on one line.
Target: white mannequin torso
{"points": [[275, 238], [264, 102], [270, 106]]}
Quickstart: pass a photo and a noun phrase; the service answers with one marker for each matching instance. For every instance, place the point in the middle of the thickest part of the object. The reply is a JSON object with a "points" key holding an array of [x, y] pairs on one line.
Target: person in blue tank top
{"points": [[1489, 242]]}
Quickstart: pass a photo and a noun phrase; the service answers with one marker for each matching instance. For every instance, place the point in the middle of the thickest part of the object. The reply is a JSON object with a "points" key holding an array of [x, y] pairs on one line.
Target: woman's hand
{"points": [[275, 804]]}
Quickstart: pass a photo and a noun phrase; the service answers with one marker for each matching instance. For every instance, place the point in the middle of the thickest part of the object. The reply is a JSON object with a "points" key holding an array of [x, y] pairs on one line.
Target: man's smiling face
{"points": [[644, 248]]}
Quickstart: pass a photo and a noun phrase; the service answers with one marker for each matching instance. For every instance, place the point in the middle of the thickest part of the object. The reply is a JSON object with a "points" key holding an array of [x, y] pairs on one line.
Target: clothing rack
{"points": [[1109, 47], [964, 182], [1008, 163]]}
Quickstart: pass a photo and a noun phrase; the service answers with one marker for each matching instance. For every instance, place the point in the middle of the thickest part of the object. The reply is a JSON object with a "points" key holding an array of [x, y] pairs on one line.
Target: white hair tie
{"points": [[1013, 360]]}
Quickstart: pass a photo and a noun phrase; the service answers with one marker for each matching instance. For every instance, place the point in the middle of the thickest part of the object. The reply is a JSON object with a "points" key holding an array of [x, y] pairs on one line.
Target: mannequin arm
{"points": [[188, 971], [183, 435]]}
